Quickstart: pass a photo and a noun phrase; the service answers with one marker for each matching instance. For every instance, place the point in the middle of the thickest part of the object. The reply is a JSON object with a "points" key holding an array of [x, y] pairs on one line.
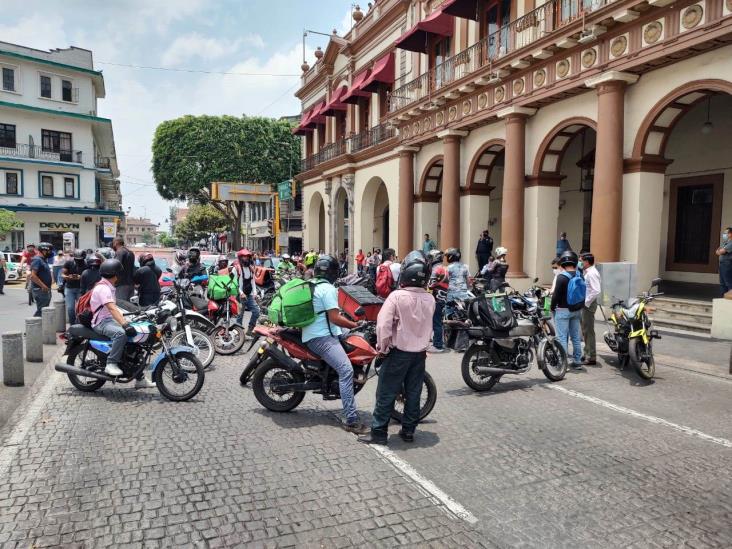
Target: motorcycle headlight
{"points": [[173, 323]]}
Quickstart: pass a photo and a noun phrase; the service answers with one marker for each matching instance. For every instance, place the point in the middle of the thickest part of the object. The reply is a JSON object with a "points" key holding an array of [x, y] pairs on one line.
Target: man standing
{"points": [[147, 279], [428, 245], [725, 261], [247, 288], [438, 285], [71, 275], [40, 278], [3, 266], [386, 279], [125, 285], [562, 245], [593, 283], [403, 330], [360, 260], [484, 249], [567, 309]]}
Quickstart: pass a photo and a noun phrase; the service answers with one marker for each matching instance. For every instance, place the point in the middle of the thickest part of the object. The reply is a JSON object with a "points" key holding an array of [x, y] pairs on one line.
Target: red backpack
{"points": [[384, 280], [84, 313]]}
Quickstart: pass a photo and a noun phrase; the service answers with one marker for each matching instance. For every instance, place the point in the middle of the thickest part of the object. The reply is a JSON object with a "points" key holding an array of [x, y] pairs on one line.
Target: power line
{"points": [[288, 90], [169, 69]]}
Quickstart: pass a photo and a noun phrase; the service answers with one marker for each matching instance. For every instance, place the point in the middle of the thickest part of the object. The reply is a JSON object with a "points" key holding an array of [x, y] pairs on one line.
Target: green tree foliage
{"points": [[191, 152], [201, 221], [148, 238], [8, 221], [167, 241]]}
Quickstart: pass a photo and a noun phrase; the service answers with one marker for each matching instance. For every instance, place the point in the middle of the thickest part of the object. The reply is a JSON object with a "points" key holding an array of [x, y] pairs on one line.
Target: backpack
{"points": [[493, 311], [292, 305], [576, 289], [384, 280], [222, 286], [84, 313]]}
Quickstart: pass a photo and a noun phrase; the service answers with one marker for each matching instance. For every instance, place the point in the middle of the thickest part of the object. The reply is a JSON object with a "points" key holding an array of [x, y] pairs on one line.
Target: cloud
{"points": [[193, 45], [36, 31]]}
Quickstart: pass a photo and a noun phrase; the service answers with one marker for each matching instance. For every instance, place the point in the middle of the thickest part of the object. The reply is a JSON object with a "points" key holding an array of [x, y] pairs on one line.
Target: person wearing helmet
{"points": [[193, 266], [403, 331], [438, 285], [286, 264], [568, 316], [91, 275], [147, 280], [222, 265], [322, 336], [457, 275], [125, 284], [71, 275], [310, 258], [495, 270], [247, 288], [106, 253], [180, 258], [40, 278]]}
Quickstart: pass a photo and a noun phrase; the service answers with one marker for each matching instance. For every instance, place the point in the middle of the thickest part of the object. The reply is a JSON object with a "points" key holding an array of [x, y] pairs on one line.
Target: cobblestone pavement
{"points": [[537, 467]]}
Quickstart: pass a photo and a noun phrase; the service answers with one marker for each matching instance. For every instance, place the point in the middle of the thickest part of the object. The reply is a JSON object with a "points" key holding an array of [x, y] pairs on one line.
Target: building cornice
{"points": [[52, 112]]}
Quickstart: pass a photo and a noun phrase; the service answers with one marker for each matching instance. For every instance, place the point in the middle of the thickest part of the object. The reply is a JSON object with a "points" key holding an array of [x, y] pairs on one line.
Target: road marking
{"points": [[405, 468], [653, 419]]}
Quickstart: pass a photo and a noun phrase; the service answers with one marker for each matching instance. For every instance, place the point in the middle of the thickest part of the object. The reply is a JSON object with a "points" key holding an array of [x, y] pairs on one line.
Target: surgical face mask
{"points": [[725, 237], [556, 271]]}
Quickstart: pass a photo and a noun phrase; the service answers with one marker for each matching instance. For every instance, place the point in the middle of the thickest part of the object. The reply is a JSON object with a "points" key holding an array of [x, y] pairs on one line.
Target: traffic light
{"points": [[270, 226]]}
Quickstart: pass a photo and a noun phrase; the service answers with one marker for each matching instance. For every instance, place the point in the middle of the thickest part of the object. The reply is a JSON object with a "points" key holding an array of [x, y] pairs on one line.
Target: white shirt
{"points": [[396, 268], [593, 283]]}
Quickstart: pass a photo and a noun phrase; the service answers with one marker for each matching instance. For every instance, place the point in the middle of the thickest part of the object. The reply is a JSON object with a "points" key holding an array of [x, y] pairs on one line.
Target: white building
{"points": [[58, 167]]}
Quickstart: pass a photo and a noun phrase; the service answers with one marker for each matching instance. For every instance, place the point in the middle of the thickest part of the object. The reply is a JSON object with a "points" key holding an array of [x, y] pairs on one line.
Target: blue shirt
{"points": [[43, 271], [325, 298]]}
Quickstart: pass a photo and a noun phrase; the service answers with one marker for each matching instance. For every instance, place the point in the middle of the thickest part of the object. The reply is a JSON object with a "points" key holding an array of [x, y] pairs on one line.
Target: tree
{"points": [[8, 221], [148, 238], [167, 241], [201, 221], [191, 152]]}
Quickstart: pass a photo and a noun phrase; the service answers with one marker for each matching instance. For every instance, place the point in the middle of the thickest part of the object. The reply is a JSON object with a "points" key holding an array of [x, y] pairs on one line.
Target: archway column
{"points": [[607, 191], [450, 223], [330, 233], [514, 175], [541, 216], [348, 181], [406, 200]]}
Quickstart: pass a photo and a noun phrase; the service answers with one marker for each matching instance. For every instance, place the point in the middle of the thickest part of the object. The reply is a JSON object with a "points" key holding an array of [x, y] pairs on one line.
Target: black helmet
{"points": [[435, 256], [146, 259], [453, 255], [415, 271], [107, 253], [93, 261], [111, 268], [194, 254], [568, 258], [79, 255], [44, 246], [326, 267]]}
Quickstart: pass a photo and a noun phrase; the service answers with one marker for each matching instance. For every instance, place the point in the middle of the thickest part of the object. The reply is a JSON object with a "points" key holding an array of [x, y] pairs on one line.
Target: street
{"points": [[14, 307], [600, 459]]}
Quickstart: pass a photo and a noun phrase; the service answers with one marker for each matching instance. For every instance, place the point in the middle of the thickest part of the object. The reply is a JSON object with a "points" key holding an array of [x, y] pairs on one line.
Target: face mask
{"points": [[725, 237], [556, 271]]}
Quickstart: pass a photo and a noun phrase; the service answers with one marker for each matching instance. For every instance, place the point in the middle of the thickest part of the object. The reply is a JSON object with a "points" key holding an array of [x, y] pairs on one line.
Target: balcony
{"points": [[350, 145], [515, 36], [21, 150], [370, 137], [102, 162]]}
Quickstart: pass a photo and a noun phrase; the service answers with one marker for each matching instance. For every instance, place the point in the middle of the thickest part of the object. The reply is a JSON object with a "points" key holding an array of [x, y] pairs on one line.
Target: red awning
{"points": [[335, 104], [316, 116], [356, 92], [439, 23], [465, 9], [382, 73], [302, 128]]}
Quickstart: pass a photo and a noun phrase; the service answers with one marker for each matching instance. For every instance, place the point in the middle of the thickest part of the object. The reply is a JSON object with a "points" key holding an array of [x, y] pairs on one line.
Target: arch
{"points": [[548, 159], [481, 167], [657, 126], [316, 222], [375, 214], [430, 184]]}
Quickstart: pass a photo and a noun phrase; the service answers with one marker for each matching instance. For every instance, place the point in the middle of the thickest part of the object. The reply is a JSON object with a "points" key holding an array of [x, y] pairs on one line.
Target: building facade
{"points": [[607, 120], [58, 167], [140, 230]]}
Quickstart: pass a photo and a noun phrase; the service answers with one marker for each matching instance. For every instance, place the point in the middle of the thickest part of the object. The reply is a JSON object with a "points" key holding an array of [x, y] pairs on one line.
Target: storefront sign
{"points": [[59, 226], [110, 229]]}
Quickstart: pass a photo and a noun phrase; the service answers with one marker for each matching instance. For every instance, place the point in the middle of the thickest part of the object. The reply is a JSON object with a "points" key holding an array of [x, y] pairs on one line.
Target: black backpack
{"points": [[493, 311]]}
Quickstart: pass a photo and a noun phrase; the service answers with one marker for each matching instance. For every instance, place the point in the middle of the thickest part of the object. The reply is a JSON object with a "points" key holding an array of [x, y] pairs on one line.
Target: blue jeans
{"points": [[110, 328], [248, 303], [438, 338], [42, 299], [569, 325], [329, 348], [725, 276], [71, 296]]}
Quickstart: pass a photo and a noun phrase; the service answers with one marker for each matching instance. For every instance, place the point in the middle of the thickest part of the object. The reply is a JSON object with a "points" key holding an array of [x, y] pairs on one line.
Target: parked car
{"points": [[13, 272]]}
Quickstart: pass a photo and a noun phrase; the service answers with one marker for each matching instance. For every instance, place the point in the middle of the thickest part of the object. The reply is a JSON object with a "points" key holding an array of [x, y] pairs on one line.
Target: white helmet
{"points": [[285, 256], [501, 251]]}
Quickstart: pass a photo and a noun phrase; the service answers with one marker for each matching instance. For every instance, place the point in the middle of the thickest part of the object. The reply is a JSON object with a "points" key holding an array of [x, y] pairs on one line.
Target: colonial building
{"points": [[608, 120], [140, 230], [58, 168]]}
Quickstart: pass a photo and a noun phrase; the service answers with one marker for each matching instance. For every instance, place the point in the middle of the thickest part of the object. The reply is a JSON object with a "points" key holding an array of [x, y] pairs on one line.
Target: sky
{"points": [[220, 36]]}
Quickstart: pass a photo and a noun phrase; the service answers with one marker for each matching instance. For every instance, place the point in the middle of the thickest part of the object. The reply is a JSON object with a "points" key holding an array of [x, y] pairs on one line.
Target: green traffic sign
{"points": [[284, 189]]}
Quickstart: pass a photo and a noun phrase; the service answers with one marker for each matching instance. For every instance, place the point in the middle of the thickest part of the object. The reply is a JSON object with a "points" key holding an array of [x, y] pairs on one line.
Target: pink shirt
{"points": [[405, 321], [103, 293]]}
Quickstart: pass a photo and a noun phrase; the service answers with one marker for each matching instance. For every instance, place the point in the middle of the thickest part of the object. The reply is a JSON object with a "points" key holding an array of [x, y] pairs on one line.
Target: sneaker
{"points": [[371, 439], [436, 350], [111, 369], [355, 427], [575, 365], [589, 362], [406, 436], [144, 383]]}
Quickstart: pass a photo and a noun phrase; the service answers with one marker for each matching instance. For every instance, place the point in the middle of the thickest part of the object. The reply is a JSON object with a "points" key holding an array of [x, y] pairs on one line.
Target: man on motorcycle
{"points": [[193, 267], [147, 279], [222, 265], [286, 264], [247, 288], [403, 331], [322, 336], [438, 286]]}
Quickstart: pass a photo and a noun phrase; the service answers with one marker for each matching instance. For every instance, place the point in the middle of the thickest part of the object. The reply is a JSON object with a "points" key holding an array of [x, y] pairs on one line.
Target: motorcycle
{"points": [[176, 371], [228, 335], [632, 332], [493, 354], [283, 369]]}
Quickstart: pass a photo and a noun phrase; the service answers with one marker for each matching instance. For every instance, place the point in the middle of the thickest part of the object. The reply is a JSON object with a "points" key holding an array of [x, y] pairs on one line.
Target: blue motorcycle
{"points": [[176, 371]]}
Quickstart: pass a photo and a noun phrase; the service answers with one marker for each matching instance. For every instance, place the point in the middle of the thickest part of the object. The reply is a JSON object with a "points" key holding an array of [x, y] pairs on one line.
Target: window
{"points": [[57, 142], [69, 187], [7, 136], [46, 86], [11, 183], [66, 90], [46, 185], [8, 79]]}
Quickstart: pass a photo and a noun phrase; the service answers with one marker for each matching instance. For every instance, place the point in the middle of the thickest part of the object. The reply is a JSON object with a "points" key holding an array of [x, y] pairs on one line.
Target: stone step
{"points": [[691, 305], [678, 314], [685, 325]]}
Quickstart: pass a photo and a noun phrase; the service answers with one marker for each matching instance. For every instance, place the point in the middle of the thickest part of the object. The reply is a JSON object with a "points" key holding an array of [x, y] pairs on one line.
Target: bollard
{"points": [[48, 314], [33, 339], [13, 359], [60, 307]]}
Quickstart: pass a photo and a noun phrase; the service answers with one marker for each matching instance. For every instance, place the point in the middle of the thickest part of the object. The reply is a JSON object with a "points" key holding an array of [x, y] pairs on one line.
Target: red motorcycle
{"points": [[283, 369]]}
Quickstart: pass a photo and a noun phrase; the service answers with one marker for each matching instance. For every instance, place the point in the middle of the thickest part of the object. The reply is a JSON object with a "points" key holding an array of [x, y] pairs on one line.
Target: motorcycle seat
{"points": [[525, 328], [81, 331], [292, 334]]}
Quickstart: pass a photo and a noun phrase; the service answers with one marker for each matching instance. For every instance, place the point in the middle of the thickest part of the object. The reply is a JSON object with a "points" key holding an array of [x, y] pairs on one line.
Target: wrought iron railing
{"points": [[332, 150], [371, 137], [102, 162], [22, 150]]}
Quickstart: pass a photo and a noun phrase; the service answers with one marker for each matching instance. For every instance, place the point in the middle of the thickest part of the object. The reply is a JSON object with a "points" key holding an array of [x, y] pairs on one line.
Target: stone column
{"points": [[450, 222], [514, 175], [329, 225], [406, 200], [607, 189], [349, 181]]}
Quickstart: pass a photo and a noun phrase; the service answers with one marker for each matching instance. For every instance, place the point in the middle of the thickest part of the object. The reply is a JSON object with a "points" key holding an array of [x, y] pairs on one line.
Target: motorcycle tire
{"points": [[231, 342], [428, 386], [552, 359], [204, 347], [642, 358], [86, 384], [280, 375], [483, 383], [167, 378]]}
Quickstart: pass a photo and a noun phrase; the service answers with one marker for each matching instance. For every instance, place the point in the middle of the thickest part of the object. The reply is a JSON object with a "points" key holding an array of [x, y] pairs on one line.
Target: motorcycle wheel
{"points": [[74, 358], [427, 400], [641, 357], [268, 375], [228, 342], [472, 379], [180, 377], [203, 348], [552, 359]]}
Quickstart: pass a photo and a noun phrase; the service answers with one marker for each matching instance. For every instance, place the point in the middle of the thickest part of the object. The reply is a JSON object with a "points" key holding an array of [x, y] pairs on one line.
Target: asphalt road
{"points": [[14, 308], [600, 459]]}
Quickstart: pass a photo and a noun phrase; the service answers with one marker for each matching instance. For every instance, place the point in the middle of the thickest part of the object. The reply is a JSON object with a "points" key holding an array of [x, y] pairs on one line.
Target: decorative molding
{"points": [[447, 133], [692, 16], [648, 164], [544, 180], [540, 78], [611, 76], [619, 45], [653, 32], [562, 68], [515, 111]]}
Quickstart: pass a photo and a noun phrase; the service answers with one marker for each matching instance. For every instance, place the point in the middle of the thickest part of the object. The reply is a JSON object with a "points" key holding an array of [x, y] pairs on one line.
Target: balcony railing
{"points": [[34, 151], [370, 137], [102, 162], [353, 144], [514, 36]]}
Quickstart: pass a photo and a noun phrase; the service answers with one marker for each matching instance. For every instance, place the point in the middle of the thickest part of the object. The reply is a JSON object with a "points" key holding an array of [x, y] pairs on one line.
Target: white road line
{"points": [[653, 419], [453, 506]]}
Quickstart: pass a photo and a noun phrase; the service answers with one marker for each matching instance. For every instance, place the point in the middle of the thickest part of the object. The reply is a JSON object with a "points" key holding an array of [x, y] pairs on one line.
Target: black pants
{"points": [[482, 260], [400, 369], [2, 279]]}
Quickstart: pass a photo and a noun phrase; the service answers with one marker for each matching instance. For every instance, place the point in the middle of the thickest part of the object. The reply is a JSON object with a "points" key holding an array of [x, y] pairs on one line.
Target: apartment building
{"points": [[140, 230], [609, 120], [58, 167]]}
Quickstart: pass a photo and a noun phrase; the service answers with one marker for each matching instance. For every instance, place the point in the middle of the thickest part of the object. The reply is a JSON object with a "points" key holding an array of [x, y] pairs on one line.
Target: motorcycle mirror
{"points": [[359, 312], [656, 282]]}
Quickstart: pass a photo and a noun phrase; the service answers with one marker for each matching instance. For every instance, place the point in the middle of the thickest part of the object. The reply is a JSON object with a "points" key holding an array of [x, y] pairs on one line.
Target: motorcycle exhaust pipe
{"points": [[488, 371], [68, 369]]}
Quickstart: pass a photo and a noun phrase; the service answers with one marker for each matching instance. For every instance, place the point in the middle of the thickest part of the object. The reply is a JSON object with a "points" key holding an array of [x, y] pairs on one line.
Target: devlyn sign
{"points": [[59, 226]]}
